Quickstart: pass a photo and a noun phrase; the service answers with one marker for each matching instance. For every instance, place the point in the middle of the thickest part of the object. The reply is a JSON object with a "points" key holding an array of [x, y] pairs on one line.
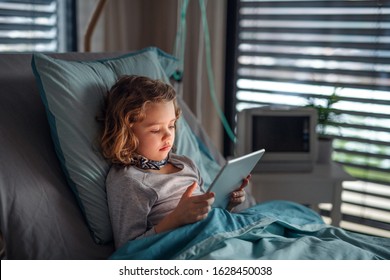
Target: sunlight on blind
{"points": [[290, 51], [26, 27]]}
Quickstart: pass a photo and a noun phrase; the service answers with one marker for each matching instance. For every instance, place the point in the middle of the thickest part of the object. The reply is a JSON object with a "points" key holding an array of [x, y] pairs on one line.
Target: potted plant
{"points": [[326, 115]]}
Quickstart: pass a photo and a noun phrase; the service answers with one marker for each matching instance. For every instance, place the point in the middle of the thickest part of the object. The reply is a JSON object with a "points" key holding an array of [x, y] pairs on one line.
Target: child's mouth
{"points": [[165, 148]]}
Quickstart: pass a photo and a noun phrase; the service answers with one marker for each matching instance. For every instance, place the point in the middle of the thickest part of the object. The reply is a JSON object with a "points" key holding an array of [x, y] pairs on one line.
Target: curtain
{"points": [[135, 24]]}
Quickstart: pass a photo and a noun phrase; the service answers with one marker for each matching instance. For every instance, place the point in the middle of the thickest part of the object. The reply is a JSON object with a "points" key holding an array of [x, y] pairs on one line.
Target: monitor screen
{"points": [[287, 134], [281, 133]]}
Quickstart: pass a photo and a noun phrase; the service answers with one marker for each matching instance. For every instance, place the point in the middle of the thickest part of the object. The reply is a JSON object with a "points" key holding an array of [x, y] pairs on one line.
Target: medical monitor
{"points": [[288, 135]]}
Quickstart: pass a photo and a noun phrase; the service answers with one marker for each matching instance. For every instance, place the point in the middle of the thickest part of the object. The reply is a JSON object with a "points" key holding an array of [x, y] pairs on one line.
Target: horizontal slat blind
{"points": [[27, 26], [290, 51]]}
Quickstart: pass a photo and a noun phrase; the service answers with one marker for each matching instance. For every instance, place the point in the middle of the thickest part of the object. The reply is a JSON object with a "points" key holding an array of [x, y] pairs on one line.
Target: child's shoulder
{"points": [[118, 172]]}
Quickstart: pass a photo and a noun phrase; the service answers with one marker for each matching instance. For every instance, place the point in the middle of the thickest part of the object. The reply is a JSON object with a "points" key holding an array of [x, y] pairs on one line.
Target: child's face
{"points": [[156, 133]]}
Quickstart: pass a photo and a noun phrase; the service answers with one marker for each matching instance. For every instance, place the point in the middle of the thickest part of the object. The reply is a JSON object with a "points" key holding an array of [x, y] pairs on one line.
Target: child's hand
{"points": [[190, 209], [194, 208], [237, 197]]}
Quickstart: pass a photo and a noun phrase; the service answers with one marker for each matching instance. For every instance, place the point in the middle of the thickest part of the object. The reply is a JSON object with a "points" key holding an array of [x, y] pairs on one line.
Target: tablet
{"points": [[231, 176]]}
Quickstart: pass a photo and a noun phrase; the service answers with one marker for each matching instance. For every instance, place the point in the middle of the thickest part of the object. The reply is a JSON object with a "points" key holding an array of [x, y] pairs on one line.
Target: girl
{"points": [[149, 188]]}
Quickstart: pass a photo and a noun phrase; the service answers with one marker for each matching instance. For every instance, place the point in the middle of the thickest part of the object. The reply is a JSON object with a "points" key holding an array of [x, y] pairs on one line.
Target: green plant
{"points": [[326, 113]]}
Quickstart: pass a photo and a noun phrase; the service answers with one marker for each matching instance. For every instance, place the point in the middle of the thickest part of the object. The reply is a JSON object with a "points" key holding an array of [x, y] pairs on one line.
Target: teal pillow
{"points": [[73, 94]]}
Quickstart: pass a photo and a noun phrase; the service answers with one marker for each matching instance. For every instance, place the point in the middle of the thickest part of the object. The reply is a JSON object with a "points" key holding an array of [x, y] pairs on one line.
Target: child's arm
{"points": [[190, 209], [129, 204]]}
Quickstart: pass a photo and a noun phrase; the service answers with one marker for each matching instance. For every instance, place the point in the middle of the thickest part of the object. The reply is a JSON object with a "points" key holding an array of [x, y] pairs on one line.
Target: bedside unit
{"points": [[322, 185]]}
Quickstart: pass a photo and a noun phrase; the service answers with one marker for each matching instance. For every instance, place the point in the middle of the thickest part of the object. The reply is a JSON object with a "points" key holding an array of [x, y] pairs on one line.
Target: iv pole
{"points": [[92, 24]]}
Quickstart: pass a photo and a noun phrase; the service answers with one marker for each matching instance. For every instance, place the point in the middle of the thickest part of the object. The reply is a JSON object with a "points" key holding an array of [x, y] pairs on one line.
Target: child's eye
{"points": [[173, 125], [155, 131]]}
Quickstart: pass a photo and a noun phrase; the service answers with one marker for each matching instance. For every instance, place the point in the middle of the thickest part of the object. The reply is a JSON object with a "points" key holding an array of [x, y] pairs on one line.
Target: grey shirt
{"points": [[139, 199]]}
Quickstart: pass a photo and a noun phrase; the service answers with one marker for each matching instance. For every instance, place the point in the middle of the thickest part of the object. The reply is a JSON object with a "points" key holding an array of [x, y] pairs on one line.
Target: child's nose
{"points": [[167, 133]]}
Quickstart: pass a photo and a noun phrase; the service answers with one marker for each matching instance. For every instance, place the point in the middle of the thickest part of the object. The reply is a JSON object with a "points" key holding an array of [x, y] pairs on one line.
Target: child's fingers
{"points": [[237, 197], [245, 182], [206, 198], [238, 194], [190, 190]]}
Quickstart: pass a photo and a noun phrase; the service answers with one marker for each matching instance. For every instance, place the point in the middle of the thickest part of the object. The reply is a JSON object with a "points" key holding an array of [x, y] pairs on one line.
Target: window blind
{"points": [[33, 25], [287, 52]]}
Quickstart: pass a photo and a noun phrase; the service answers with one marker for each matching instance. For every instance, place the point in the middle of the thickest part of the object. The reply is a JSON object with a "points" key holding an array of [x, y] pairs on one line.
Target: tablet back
{"points": [[231, 177]]}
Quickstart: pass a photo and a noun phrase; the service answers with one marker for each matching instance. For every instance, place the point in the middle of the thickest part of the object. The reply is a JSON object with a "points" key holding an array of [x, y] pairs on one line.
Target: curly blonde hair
{"points": [[125, 105]]}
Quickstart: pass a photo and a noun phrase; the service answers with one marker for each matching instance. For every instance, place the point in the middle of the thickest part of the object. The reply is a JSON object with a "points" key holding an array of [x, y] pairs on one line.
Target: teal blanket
{"points": [[273, 230]]}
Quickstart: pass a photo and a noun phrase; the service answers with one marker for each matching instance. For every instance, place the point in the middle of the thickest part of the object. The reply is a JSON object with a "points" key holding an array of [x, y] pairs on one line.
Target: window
{"points": [[286, 52], [37, 25]]}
